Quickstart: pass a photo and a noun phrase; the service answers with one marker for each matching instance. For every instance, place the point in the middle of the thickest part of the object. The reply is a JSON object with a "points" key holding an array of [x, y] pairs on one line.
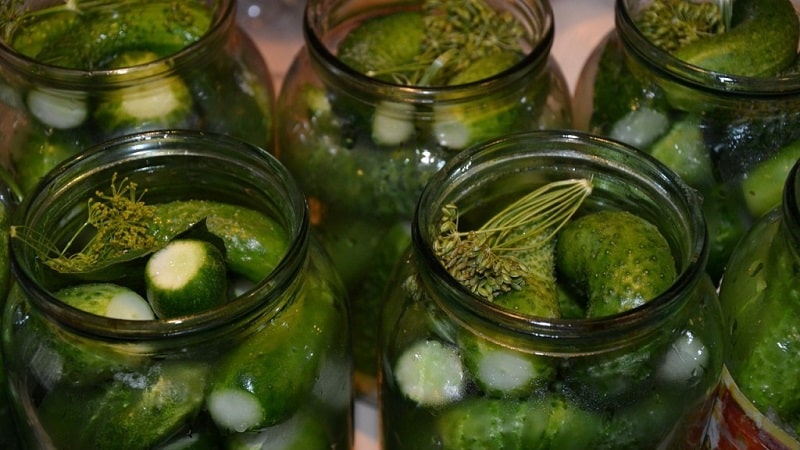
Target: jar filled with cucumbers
{"points": [[710, 88], [168, 292], [380, 96], [555, 297], [77, 73], [759, 401]]}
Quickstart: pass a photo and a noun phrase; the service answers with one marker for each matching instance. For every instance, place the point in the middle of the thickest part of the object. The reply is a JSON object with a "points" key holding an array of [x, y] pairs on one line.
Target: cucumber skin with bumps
{"points": [[762, 41], [280, 363], [135, 411], [618, 260], [254, 243]]}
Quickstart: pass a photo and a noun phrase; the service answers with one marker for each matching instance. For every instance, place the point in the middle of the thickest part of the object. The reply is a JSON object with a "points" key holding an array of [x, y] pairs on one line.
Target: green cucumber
{"points": [[164, 101], [617, 259], [763, 357], [99, 33], [107, 300], [254, 243], [458, 125], [547, 423], [270, 375], [384, 44], [640, 127], [185, 277], [133, 411], [682, 149], [430, 373], [761, 42], [42, 151], [57, 357], [762, 188]]}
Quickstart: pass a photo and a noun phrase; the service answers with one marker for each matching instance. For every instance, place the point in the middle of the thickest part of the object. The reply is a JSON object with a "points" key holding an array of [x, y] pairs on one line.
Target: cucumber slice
{"points": [[164, 101], [254, 243], [392, 123], [185, 277], [430, 373], [58, 108], [270, 375], [108, 300]]}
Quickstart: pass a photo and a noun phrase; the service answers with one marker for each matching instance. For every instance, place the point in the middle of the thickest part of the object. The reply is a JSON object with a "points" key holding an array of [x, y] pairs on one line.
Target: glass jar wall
{"points": [[78, 74], [758, 405], [89, 364], [547, 369], [362, 141], [9, 199], [721, 111]]}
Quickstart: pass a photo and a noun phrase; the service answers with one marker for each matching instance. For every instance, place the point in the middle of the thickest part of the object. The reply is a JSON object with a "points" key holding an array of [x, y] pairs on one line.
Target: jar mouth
{"points": [[696, 77], [538, 16], [650, 188], [260, 182], [224, 15]]}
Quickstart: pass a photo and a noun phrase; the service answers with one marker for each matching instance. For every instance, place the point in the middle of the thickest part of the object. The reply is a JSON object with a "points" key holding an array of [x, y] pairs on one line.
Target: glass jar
{"points": [[362, 147], [272, 363], [733, 137], [758, 401], [154, 65], [643, 378], [9, 198]]}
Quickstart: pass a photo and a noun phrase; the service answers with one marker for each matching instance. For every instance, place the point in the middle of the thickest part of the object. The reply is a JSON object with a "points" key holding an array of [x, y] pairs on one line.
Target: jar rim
{"points": [[333, 68], [147, 148], [603, 151], [224, 16], [694, 76]]}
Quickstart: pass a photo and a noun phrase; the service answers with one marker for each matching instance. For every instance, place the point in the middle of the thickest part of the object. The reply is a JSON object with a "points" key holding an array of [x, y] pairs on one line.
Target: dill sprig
{"points": [[484, 260], [120, 221], [460, 32], [671, 24]]}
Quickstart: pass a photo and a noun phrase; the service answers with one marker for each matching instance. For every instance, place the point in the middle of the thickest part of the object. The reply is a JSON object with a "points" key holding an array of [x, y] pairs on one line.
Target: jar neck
{"points": [[170, 166], [221, 28], [673, 69], [323, 20], [622, 178]]}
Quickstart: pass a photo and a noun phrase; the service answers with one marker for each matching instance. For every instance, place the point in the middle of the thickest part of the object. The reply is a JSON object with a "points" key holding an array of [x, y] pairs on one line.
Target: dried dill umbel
{"points": [[671, 24], [486, 261], [116, 225]]}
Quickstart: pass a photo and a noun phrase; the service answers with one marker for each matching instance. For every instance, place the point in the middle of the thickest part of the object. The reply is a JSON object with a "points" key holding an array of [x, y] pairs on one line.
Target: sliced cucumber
{"points": [[640, 127], [108, 300], [686, 361], [164, 101], [430, 373], [185, 277], [265, 379], [58, 108], [501, 371], [254, 243], [392, 123]]}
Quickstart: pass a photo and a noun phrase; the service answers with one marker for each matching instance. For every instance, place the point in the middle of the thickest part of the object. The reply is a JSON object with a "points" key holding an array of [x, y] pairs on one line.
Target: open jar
{"points": [[759, 403], [90, 366], [722, 111], [362, 141], [77, 74], [539, 365]]}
